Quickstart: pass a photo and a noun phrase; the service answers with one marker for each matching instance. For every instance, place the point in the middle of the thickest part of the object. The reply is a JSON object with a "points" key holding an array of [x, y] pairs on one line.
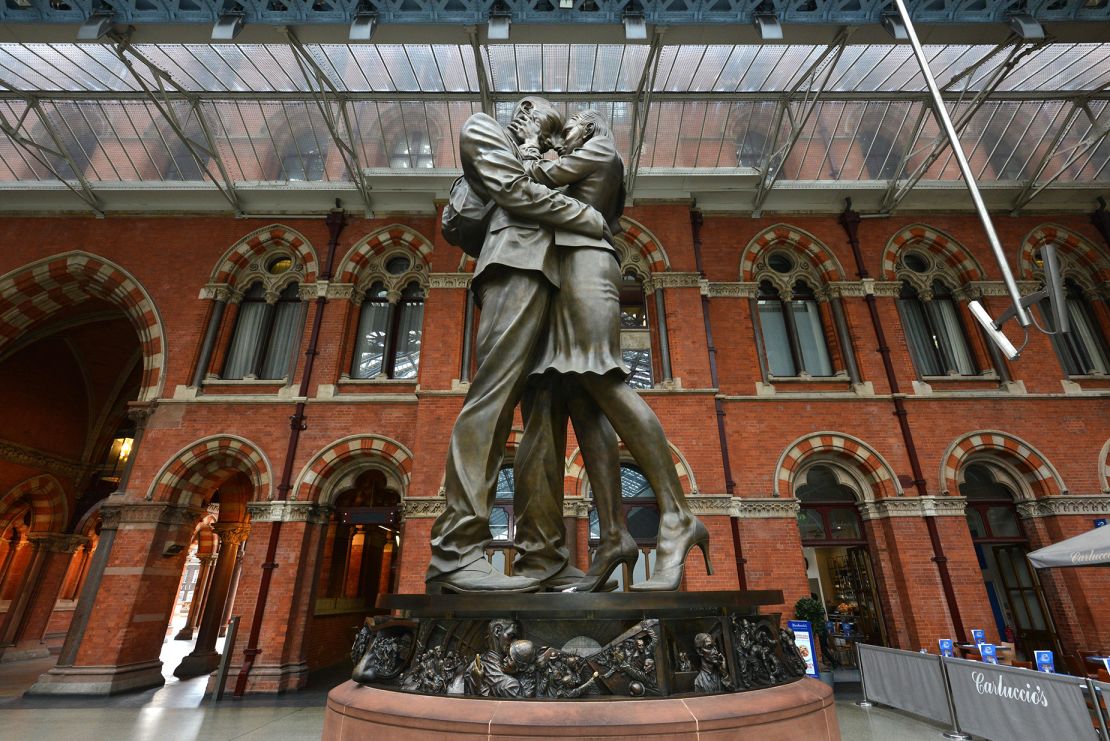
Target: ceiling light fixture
{"points": [[228, 27], [1026, 26], [498, 28], [95, 27], [894, 26], [768, 26], [635, 26], [363, 26]]}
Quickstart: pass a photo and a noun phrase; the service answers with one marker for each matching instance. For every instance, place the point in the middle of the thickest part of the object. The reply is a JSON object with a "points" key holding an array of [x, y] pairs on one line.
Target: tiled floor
{"points": [[178, 711]]}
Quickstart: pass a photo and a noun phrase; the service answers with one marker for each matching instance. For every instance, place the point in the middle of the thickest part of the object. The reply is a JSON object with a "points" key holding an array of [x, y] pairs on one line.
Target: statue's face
{"points": [[576, 133]]}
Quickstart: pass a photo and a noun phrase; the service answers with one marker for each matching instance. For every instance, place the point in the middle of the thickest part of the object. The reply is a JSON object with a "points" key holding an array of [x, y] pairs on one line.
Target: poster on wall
{"points": [[803, 639], [978, 636], [946, 647], [1045, 662]]}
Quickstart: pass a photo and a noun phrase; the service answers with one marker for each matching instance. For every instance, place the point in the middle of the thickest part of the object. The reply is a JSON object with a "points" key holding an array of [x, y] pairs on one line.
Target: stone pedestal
{"points": [[799, 710]]}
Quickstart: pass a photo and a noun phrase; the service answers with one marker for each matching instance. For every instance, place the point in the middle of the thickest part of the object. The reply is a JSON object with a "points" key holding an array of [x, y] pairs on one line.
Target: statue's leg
{"points": [[514, 312], [540, 533]]}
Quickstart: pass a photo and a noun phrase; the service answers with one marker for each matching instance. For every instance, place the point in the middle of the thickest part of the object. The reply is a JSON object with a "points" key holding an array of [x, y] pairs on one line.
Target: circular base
{"points": [[799, 710]]}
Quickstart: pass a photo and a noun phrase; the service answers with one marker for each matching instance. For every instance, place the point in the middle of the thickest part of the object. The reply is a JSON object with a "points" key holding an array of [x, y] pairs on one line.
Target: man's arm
{"points": [[568, 169], [488, 157]]}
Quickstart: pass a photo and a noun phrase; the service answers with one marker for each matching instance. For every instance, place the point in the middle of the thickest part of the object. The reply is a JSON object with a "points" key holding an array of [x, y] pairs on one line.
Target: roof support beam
{"points": [[640, 110], [899, 190], [42, 154], [811, 84], [202, 152], [335, 109], [1032, 188], [480, 68]]}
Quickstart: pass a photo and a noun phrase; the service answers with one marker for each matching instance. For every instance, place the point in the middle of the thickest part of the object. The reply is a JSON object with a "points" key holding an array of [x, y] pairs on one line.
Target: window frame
{"points": [[910, 293], [768, 292]]}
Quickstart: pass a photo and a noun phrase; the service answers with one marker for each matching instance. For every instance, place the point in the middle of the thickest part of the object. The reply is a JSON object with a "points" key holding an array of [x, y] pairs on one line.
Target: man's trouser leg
{"points": [[540, 534], [514, 313]]}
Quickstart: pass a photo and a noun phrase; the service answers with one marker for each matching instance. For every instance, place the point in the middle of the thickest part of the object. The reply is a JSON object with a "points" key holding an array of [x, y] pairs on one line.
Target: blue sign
{"points": [[978, 636], [989, 652], [946, 647], [803, 639], [1100, 522], [1045, 662]]}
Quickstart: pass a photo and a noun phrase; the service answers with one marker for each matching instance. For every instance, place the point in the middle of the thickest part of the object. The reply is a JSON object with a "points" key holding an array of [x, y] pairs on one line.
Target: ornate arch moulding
{"points": [[316, 481], [1042, 476], [817, 260], [47, 499], [1104, 467], [365, 261], [575, 481], [1082, 259], [953, 257], [184, 479], [240, 265], [876, 471], [32, 293], [640, 251]]}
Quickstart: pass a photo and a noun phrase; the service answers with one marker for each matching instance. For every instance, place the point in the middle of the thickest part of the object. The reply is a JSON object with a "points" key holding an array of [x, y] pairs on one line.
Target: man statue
{"points": [[582, 373], [513, 282]]}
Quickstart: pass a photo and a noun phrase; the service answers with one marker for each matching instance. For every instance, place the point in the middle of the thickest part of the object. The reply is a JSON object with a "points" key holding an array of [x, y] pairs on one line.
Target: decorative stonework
{"points": [[191, 474], [58, 543], [711, 505], [24, 456], [817, 259], [1067, 504], [152, 513], [1085, 262], [674, 280], [1038, 472], [395, 457], [846, 289], [881, 288], [47, 499], [241, 262], [913, 507], [732, 290], [31, 294], [449, 280], [944, 249], [382, 243], [287, 511], [874, 468], [640, 249], [764, 508], [991, 288], [423, 508], [576, 507]]}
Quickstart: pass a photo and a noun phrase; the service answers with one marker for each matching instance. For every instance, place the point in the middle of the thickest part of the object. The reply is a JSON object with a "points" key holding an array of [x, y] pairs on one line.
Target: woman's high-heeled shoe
{"points": [[606, 559], [671, 558]]}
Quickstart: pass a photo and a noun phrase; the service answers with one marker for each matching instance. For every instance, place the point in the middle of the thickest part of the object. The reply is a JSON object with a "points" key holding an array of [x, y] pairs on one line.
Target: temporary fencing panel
{"points": [[1005, 702], [905, 680]]}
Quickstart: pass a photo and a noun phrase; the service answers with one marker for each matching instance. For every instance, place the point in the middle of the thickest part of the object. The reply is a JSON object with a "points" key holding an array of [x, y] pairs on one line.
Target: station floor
{"points": [[178, 711]]}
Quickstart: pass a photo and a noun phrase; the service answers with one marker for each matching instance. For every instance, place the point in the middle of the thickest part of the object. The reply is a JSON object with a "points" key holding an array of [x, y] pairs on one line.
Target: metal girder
{"points": [[898, 189], [335, 110], [201, 151], [657, 12], [811, 84], [1032, 188], [480, 69], [644, 90], [41, 154]]}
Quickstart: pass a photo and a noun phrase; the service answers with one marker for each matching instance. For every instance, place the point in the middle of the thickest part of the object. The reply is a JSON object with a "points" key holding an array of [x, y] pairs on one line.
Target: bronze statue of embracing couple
{"points": [[547, 281]]}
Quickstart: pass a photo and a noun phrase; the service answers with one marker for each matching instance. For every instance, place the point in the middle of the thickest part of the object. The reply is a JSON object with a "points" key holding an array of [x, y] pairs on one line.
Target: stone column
{"points": [[231, 592], [204, 658], [26, 624], [16, 545], [197, 606]]}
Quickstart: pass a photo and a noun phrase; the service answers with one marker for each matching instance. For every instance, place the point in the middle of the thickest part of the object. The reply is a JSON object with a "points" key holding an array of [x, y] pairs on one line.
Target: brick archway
{"points": [[191, 474], [1042, 477], [309, 486], [47, 498], [237, 259], [31, 294], [574, 480], [376, 243], [944, 247], [802, 243], [1104, 468], [637, 239], [1085, 253], [874, 469]]}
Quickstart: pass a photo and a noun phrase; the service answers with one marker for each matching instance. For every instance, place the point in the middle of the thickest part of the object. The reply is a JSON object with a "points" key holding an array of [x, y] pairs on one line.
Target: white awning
{"points": [[1092, 548]]}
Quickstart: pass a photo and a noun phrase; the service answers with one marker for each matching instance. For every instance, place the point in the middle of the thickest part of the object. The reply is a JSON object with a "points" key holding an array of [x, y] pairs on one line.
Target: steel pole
{"points": [[965, 168]]}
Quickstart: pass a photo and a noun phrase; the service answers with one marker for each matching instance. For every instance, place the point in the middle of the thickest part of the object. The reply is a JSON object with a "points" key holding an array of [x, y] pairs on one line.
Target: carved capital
{"points": [[139, 412], [929, 506], [57, 542], [674, 280], [764, 508], [312, 291], [733, 290], [1065, 504], [424, 507], [216, 292], [232, 533], [288, 511], [846, 289], [449, 280], [575, 507], [888, 288], [155, 513], [341, 291]]}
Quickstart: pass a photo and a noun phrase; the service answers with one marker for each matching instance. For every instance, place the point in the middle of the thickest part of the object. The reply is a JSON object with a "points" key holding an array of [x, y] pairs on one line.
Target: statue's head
{"points": [[537, 109], [580, 128], [502, 633]]}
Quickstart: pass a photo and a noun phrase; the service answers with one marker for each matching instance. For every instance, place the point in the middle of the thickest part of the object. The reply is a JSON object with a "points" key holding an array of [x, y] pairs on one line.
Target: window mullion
{"points": [[792, 336], [264, 338], [392, 323], [939, 360]]}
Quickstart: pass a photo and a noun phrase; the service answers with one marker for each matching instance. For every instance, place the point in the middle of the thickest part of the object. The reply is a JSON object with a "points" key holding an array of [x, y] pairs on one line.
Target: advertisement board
{"points": [[803, 639], [1045, 661]]}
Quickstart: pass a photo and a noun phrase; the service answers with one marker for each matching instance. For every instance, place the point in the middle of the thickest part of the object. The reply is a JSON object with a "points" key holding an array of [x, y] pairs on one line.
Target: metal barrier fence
{"points": [[993, 701]]}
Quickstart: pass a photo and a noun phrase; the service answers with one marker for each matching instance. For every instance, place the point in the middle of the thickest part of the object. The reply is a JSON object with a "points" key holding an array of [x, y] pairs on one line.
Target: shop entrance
{"points": [[838, 561], [1014, 591]]}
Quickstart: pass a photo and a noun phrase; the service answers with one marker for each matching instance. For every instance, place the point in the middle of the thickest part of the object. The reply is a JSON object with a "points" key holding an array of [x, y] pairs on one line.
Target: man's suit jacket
{"points": [[595, 175], [520, 229]]}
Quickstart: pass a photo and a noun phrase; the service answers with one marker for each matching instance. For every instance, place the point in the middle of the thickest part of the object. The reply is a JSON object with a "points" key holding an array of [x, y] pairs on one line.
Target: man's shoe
{"points": [[557, 582], [479, 577]]}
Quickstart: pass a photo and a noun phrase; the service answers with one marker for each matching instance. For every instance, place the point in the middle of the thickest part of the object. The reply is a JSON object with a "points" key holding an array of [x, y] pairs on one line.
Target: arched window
{"points": [[412, 150], [934, 331], [1001, 544], [828, 514], [641, 515], [1082, 349], [635, 333], [930, 317], [266, 331], [792, 330], [389, 334]]}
